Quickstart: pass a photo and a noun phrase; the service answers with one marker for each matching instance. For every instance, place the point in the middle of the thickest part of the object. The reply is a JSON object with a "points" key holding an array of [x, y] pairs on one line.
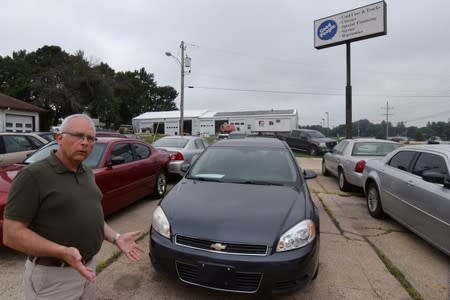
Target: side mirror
{"points": [[116, 160], [434, 177], [309, 174]]}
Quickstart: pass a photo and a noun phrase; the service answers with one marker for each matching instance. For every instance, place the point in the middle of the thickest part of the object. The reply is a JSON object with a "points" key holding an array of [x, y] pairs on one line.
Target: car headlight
{"points": [[160, 222], [322, 145], [298, 236]]}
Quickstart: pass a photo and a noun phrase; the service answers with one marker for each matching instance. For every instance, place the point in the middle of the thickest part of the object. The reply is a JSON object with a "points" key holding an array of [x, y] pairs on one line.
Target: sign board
{"points": [[354, 25]]}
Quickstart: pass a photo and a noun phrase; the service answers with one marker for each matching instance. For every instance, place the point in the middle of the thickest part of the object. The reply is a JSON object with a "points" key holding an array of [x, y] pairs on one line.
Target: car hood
{"points": [[7, 174], [230, 212], [323, 140]]}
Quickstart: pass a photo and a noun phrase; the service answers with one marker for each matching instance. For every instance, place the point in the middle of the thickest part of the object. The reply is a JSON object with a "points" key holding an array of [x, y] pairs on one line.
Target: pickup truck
{"points": [[311, 141]]}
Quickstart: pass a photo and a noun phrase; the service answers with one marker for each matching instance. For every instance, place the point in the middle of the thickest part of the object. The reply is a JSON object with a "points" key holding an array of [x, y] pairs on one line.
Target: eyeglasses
{"points": [[80, 137]]}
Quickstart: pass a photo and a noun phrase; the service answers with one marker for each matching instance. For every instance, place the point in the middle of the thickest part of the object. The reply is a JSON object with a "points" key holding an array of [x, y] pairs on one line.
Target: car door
{"points": [[429, 202], [147, 168], [117, 182], [303, 141], [394, 186], [336, 156]]}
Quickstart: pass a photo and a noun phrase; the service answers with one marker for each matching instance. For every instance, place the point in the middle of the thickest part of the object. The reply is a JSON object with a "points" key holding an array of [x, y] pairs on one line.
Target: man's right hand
{"points": [[73, 257]]}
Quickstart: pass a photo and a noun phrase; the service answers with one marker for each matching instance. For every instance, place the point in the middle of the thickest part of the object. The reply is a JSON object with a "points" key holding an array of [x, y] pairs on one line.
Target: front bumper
{"points": [[271, 274]]}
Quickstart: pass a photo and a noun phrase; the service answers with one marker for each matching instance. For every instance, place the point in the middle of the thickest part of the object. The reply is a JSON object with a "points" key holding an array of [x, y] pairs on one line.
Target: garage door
{"points": [[17, 123]]}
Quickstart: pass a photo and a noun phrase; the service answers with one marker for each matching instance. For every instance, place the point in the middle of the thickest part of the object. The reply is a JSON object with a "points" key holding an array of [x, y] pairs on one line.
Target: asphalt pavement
{"points": [[360, 257]]}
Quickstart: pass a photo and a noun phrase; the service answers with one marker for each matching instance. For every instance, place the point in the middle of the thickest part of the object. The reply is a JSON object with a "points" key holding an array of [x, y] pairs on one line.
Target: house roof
{"points": [[257, 113], [13, 103], [170, 114]]}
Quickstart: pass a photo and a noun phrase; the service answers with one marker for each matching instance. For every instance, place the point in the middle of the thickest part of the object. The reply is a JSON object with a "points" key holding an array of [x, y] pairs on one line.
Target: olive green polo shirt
{"points": [[58, 204]]}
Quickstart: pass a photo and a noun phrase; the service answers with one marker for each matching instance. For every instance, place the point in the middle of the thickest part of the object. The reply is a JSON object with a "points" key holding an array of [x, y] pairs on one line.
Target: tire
{"points": [[342, 182], [160, 186], [313, 151], [315, 273], [325, 172], [374, 202]]}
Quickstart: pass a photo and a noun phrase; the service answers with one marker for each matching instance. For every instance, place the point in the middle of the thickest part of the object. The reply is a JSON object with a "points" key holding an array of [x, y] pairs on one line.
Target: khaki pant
{"points": [[42, 282]]}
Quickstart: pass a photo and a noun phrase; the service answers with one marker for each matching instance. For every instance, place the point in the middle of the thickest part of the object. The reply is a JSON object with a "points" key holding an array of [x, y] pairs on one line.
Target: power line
{"points": [[314, 93]]}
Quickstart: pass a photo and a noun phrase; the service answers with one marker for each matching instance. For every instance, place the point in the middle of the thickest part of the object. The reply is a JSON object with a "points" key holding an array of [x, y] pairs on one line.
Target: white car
{"points": [[349, 157], [14, 146], [182, 149]]}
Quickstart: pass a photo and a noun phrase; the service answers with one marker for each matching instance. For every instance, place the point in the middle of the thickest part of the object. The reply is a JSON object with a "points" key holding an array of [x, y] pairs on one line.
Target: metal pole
{"points": [[182, 90], [348, 98], [387, 119], [328, 123]]}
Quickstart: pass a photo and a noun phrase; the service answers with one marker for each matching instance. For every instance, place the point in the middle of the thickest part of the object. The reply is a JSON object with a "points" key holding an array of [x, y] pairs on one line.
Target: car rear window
{"points": [[373, 148]]}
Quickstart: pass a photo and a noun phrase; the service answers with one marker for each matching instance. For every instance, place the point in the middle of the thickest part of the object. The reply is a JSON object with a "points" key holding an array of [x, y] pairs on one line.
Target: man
{"points": [[54, 215]]}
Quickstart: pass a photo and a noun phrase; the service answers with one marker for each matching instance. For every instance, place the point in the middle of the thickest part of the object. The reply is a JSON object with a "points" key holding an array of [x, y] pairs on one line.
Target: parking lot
{"points": [[360, 258]]}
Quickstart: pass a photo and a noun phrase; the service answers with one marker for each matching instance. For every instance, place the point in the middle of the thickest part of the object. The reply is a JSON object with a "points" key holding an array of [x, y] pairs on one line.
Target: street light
{"points": [[181, 63]]}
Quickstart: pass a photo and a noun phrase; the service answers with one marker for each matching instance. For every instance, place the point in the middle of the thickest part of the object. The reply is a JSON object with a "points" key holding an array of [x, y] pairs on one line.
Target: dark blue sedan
{"points": [[241, 220]]}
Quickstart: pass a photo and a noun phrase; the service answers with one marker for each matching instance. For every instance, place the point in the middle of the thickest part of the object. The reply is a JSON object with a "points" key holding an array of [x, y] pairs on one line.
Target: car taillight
{"points": [[177, 156], [360, 165]]}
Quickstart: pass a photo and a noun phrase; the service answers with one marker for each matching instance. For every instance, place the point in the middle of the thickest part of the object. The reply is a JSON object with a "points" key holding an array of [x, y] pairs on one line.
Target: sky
{"points": [[256, 54]]}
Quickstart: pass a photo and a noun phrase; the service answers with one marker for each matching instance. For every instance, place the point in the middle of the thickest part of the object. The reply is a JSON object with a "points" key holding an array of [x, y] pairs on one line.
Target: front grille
{"points": [[330, 145], [230, 248], [235, 281]]}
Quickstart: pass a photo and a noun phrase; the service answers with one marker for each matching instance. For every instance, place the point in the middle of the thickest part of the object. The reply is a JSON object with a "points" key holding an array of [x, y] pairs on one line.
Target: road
{"points": [[360, 258]]}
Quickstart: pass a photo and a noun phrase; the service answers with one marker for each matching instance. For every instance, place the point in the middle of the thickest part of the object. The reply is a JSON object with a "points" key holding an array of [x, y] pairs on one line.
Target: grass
{"points": [[301, 154], [396, 272]]}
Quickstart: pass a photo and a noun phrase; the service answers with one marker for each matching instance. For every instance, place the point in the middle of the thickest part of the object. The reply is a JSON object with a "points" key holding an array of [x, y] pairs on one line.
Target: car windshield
{"points": [[245, 165], [93, 161], [315, 134], [373, 148], [172, 142]]}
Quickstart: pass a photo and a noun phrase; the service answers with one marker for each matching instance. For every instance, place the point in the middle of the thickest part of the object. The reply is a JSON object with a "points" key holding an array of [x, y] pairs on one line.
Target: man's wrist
{"points": [[115, 238]]}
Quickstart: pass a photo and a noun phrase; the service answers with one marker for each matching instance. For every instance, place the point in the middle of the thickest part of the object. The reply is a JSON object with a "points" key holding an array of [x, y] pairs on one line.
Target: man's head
{"points": [[76, 139]]}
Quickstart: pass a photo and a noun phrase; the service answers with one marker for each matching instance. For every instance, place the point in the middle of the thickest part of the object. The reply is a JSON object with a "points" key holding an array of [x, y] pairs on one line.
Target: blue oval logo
{"points": [[327, 30]]}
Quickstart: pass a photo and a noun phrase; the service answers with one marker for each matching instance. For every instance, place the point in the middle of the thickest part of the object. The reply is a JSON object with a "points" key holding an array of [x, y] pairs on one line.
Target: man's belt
{"points": [[52, 261]]}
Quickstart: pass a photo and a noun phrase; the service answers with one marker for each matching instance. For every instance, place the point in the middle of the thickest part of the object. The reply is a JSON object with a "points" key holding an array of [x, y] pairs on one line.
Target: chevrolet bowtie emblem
{"points": [[218, 246]]}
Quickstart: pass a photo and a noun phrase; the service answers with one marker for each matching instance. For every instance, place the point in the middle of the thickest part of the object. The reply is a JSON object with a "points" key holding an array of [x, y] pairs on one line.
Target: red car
{"points": [[125, 170]]}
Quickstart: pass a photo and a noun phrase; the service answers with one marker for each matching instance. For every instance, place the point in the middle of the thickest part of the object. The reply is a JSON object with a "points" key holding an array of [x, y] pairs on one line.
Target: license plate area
{"points": [[220, 276]]}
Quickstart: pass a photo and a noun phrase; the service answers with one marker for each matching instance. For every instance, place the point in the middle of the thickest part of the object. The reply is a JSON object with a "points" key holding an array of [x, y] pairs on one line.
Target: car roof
{"points": [[250, 142], [442, 148], [368, 140]]}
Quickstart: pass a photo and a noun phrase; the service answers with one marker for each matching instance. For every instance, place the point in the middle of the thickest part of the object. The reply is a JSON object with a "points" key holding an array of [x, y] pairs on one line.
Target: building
{"points": [[203, 122], [17, 115]]}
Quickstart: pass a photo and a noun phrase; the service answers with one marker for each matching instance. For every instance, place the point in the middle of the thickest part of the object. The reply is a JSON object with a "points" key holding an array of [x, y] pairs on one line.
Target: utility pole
{"points": [[387, 114], [183, 47], [328, 123]]}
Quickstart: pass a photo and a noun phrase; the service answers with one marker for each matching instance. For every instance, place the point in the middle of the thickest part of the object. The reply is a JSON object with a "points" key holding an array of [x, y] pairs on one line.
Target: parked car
{"points": [[311, 141], [48, 135], [125, 170], [241, 220], [349, 157], [15, 146], [434, 140], [412, 185], [181, 149], [237, 135]]}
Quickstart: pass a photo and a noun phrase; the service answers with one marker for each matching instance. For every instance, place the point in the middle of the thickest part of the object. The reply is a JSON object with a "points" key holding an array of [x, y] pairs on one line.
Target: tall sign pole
{"points": [[354, 25], [182, 90], [348, 96]]}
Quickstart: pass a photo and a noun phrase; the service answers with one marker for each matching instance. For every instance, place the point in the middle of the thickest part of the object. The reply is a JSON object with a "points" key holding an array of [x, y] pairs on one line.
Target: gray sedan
{"points": [[412, 185], [349, 157], [182, 149]]}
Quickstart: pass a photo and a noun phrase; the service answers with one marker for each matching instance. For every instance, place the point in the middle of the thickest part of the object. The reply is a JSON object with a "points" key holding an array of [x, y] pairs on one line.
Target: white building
{"points": [[17, 115], [203, 122]]}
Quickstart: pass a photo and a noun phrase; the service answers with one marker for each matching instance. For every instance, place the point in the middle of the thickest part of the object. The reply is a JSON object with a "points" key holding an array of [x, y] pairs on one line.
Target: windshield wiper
{"points": [[206, 179], [258, 182]]}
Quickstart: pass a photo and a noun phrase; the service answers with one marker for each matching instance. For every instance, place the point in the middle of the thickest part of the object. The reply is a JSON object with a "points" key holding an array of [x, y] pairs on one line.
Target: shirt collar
{"points": [[59, 167]]}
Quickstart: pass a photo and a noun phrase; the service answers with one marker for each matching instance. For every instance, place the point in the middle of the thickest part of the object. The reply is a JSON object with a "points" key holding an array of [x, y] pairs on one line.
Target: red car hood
{"points": [[7, 174]]}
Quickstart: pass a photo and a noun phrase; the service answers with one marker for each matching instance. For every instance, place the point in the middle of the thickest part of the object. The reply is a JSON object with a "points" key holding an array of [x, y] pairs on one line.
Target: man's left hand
{"points": [[127, 244]]}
